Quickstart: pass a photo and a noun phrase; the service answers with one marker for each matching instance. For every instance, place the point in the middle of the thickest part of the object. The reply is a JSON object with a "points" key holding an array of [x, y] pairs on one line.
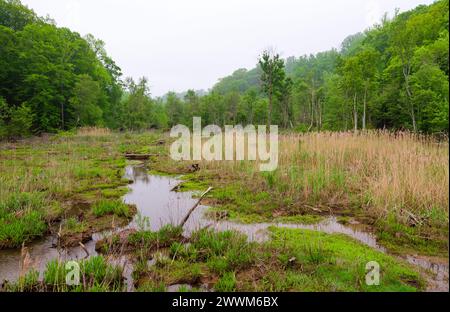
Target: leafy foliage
{"points": [[52, 79], [393, 75]]}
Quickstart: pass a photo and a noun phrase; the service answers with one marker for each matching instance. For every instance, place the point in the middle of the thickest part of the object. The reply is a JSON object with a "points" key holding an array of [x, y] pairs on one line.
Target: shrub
{"points": [[21, 121], [15, 122], [3, 115]]}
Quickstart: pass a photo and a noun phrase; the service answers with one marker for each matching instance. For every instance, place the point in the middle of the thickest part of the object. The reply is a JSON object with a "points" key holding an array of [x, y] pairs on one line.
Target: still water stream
{"points": [[154, 199]]}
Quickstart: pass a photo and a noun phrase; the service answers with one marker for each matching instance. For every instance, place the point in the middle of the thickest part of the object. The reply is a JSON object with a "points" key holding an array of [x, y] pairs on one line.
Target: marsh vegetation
{"points": [[401, 200], [362, 176]]}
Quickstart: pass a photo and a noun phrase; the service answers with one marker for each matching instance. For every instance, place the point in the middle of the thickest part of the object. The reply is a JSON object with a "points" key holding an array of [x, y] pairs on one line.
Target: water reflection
{"points": [[155, 200]]}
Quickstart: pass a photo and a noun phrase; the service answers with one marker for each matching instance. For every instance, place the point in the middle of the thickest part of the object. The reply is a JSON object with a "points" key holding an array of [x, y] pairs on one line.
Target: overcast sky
{"points": [[184, 44]]}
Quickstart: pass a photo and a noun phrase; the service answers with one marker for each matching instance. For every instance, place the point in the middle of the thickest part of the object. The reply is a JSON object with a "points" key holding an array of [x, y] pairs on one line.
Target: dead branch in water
{"points": [[176, 188], [186, 218], [84, 249], [59, 237], [414, 219], [25, 260]]}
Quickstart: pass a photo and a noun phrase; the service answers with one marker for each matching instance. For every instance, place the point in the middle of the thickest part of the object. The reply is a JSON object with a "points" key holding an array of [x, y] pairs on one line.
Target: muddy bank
{"points": [[158, 205], [154, 200], [154, 197]]}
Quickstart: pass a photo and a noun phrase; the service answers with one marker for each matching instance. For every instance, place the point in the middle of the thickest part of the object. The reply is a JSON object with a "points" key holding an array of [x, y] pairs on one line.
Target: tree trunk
{"points": [[365, 109], [269, 117], [62, 115], [413, 117], [355, 114], [406, 71], [319, 115], [312, 110]]}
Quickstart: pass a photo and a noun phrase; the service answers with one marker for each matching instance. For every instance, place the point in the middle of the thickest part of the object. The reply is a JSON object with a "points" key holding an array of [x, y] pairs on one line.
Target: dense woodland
{"points": [[393, 75]]}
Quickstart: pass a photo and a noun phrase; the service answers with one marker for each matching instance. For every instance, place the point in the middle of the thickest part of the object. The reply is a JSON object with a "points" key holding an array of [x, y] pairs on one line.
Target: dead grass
{"points": [[380, 172], [42, 179], [93, 131]]}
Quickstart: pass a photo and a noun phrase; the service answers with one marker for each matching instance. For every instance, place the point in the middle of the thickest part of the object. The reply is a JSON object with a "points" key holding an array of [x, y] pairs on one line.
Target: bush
{"points": [[15, 122], [21, 121], [3, 115]]}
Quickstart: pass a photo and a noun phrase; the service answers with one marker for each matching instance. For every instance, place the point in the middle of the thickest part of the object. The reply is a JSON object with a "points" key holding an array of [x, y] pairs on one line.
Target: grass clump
{"points": [[403, 239], [227, 283], [208, 256], [96, 275], [164, 237], [116, 207], [22, 218], [141, 243], [151, 286], [370, 176], [223, 251], [322, 262], [27, 283], [16, 230], [74, 226], [39, 174], [178, 272], [293, 260]]}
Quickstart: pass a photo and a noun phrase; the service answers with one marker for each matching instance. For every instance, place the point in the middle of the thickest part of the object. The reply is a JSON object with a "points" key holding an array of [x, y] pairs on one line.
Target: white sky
{"points": [[184, 44]]}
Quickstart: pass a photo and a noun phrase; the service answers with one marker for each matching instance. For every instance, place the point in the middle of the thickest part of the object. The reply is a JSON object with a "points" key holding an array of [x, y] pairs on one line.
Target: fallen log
{"points": [[186, 218], [139, 156], [414, 220]]}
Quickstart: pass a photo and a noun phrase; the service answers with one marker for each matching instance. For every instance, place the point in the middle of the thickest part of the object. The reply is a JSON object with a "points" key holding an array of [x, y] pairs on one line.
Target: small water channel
{"points": [[154, 199]]}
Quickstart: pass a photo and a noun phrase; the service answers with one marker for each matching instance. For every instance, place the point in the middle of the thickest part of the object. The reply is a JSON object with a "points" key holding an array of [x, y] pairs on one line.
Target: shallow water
{"points": [[438, 282], [41, 252], [259, 231], [154, 199]]}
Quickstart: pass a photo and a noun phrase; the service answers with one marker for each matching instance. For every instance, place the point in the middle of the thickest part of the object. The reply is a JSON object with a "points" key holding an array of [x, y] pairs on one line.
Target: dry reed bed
{"points": [[381, 172], [93, 131]]}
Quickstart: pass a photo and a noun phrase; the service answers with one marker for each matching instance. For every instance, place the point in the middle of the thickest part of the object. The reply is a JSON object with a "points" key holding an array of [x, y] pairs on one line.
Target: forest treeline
{"points": [[393, 75]]}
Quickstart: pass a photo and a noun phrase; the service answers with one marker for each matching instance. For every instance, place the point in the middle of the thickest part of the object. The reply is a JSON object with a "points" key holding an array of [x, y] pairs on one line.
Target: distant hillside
{"points": [[182, 95]]}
